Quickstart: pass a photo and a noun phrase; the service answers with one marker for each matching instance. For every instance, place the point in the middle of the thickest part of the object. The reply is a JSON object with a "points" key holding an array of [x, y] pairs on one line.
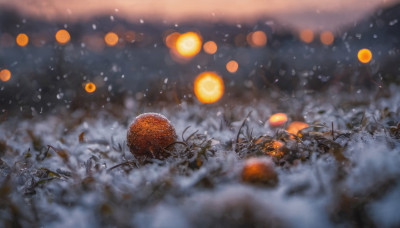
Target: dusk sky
{"points": [[315, 14]]}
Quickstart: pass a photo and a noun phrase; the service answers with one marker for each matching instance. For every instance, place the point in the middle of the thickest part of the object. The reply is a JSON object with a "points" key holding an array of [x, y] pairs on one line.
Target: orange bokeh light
{"points": [[327, 38], [62, 36], [208, 87], [277, 119], [364, 55], [188, 44], [111, 39], [210, 47], [295, 126], [307, 35], [171, 39], [22, 39], [90, 87], [257, 39], [232, 66], [5, 75]]}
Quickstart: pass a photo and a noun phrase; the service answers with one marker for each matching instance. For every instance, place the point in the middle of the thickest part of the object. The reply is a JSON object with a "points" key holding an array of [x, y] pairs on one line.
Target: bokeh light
{"points": [[295, 126], [210, 47], [257, 39], [232, 66], [326, 37], [111, 39], [5, 75], [188, 44], [90, 87], [364, 55], [306, 35], [62, 36], [170, 39], [277, 119], [22, 39], [208, 87]]}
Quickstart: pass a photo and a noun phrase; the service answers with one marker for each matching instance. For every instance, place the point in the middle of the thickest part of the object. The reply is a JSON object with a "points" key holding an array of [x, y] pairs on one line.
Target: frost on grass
{"points": [[75, 170]]}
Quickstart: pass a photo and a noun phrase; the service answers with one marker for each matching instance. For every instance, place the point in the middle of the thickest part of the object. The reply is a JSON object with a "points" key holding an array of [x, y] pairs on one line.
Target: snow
{"points": [[169, 194]]}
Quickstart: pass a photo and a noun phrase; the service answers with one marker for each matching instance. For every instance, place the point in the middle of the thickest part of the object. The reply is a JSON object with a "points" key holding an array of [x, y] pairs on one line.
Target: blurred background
{"points": [[90, 54]]}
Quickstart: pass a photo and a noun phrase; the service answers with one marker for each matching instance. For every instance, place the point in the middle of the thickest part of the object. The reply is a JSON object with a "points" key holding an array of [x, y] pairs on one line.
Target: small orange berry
{"points": [[278, 119], [149, 134], [296, 126], [259, 171]]}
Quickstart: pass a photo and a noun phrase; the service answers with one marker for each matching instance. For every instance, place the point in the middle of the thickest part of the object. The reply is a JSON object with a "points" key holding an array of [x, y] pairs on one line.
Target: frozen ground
{"points": [[57, 170]]}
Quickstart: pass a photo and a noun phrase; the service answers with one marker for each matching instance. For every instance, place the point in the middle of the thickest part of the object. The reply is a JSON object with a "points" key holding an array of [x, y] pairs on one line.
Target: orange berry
{"points": [[259, 171], [149, 134]]}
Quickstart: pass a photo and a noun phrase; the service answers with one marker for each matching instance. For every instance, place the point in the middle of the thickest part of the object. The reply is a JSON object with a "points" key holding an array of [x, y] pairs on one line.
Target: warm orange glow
{"points": [[171, 39], [276, 146], [259, 171], [90, 87], [327, 38], [188, 44], [277, 119], [5, 75], [62, 36], [295, 126], [129, 36], [232, 66], [111, 39], [208, 87], [257, 39], [364, 55], [307, 35], [22, 39], [210, 47]]}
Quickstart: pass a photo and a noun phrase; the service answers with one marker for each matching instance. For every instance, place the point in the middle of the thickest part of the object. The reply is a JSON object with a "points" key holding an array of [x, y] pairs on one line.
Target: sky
{"points": [[314, 14]]}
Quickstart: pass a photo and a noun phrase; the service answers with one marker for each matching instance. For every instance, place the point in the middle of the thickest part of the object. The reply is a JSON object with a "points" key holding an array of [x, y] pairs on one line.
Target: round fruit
{"points": [[259, 171], [149, 134]]}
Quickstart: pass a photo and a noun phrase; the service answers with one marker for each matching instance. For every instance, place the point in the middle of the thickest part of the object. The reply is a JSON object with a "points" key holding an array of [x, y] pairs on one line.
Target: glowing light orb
{"points": [[170, 39], [111, 39], [327, 38], [22, 39], [5, 75], [188, 44], [62, 36], [208, 87], [210, 47], [364, 55], [90, 87], [295, 126], [277, 119], [257, 39], [307, 35], [232, 66]]}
